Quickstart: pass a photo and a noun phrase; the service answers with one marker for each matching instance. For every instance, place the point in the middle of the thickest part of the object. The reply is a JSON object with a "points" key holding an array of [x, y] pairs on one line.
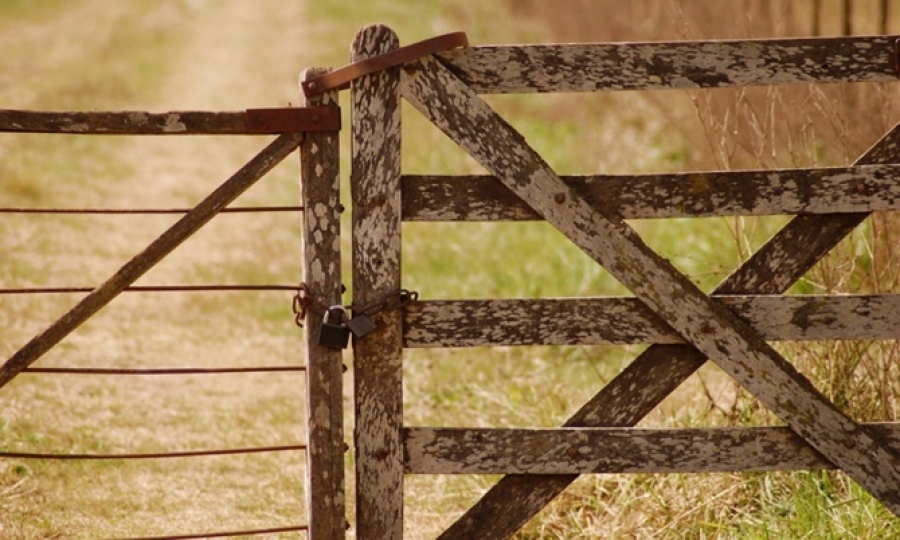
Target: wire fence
{"points": [[178, 371]]}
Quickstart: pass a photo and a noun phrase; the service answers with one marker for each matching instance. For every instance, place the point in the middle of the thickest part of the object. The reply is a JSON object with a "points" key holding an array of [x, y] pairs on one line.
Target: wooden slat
{"points": [[615, 450], [320, 194], [869, 188], [378, 362], [594, 321], [682, 64], [660, 369], [603, 235], [155, 252], [254, 122]]}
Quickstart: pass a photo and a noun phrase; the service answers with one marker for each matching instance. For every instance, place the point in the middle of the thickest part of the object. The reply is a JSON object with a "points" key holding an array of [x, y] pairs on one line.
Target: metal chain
{"points": [[303, 303]]}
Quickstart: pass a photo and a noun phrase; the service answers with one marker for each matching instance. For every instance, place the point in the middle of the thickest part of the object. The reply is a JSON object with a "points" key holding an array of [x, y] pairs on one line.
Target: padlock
{"points": [[361, 325], [334, 332]]}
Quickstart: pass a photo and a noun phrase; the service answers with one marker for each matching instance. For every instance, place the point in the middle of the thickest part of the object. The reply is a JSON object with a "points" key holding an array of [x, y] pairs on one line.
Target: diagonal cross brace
{"points": [[173, 237], [660, 369], [711, 328]]}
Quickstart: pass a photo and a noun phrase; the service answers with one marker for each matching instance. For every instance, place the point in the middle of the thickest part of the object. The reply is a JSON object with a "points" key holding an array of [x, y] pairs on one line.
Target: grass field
{"points": [[233, 55]]}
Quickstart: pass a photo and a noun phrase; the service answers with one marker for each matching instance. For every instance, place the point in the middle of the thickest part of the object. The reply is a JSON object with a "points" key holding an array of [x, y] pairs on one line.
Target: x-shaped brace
{"points": [[714, 331]]}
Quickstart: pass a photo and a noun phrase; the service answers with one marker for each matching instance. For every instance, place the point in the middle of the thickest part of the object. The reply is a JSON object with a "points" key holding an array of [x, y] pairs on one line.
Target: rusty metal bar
{"points": [[160, 371], [150, 288], [145, 211], [160, 455], [230, 534]]}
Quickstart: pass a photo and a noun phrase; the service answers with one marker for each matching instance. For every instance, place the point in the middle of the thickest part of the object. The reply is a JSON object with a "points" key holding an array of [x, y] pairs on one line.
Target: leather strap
{"points": [[341, 78]]}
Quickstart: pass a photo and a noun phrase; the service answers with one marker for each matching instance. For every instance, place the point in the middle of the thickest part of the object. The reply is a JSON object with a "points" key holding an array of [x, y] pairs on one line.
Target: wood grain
{"points": [[603, 235], [378, 361], [681, 64], [155, 252], [866, 188], [320, 195], [146, 123], [661, 369], [615, 450], [595, 321]]}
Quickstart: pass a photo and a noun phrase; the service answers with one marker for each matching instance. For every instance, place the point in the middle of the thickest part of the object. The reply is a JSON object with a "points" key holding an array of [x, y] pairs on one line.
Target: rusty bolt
{"points": [[313, 85], [559, 198]]}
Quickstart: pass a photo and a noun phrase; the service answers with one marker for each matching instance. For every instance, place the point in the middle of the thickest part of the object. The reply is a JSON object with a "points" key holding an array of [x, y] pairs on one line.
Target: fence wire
{"points": [[160, 371]]}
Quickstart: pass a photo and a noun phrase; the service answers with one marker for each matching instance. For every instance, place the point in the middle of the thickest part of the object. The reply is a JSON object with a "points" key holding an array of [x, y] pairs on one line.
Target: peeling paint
{"points": [[174, 124]]}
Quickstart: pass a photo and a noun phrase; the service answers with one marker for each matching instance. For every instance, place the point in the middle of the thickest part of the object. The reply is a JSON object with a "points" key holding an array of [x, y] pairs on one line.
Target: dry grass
{"points": [[226, 54]]}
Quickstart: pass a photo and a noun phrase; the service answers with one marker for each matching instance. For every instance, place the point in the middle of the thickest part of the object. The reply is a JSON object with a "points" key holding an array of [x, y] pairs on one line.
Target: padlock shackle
{"points": [[344, 314]]}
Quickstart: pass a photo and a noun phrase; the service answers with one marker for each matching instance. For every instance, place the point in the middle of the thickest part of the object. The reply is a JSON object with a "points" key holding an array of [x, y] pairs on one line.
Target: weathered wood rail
{"points": [[731, 327]]}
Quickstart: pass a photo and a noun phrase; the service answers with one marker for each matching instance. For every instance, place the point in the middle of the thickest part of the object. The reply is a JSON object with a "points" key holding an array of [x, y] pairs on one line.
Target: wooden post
{"points": [[378, 362], [320, 195]]}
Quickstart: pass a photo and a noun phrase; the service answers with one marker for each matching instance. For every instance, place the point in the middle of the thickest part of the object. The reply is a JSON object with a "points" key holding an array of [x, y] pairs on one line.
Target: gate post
{"points": [[320, 197], [378, 361]]}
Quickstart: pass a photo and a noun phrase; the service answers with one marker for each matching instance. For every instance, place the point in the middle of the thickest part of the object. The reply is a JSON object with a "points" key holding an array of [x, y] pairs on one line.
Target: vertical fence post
{"points": [[320, 191], [378, 361]]}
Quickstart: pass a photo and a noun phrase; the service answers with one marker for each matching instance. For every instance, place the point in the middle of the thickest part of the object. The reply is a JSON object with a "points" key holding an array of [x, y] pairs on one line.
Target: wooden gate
{"points": [[314, 131], [731, 327]]}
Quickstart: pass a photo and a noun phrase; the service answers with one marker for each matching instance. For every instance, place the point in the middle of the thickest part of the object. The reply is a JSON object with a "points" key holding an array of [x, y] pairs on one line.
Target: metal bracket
{"points": [[340, 79], [293, 120]]}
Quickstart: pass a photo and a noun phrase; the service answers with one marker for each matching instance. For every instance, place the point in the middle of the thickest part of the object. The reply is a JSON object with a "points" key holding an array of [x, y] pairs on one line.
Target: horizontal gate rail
{"points": [[611, 320], [615, 450], [249, 122], [832, 190], [521, 69]]}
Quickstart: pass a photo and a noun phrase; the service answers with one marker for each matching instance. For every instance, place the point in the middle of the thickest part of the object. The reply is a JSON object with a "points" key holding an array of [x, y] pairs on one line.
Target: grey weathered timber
{"points": [[707, 325], [660, 369], [594, 321], [378, 362], [869, 188], [146, 123], [615, 450], [155, 252], [517, 69], [320, 195]]}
